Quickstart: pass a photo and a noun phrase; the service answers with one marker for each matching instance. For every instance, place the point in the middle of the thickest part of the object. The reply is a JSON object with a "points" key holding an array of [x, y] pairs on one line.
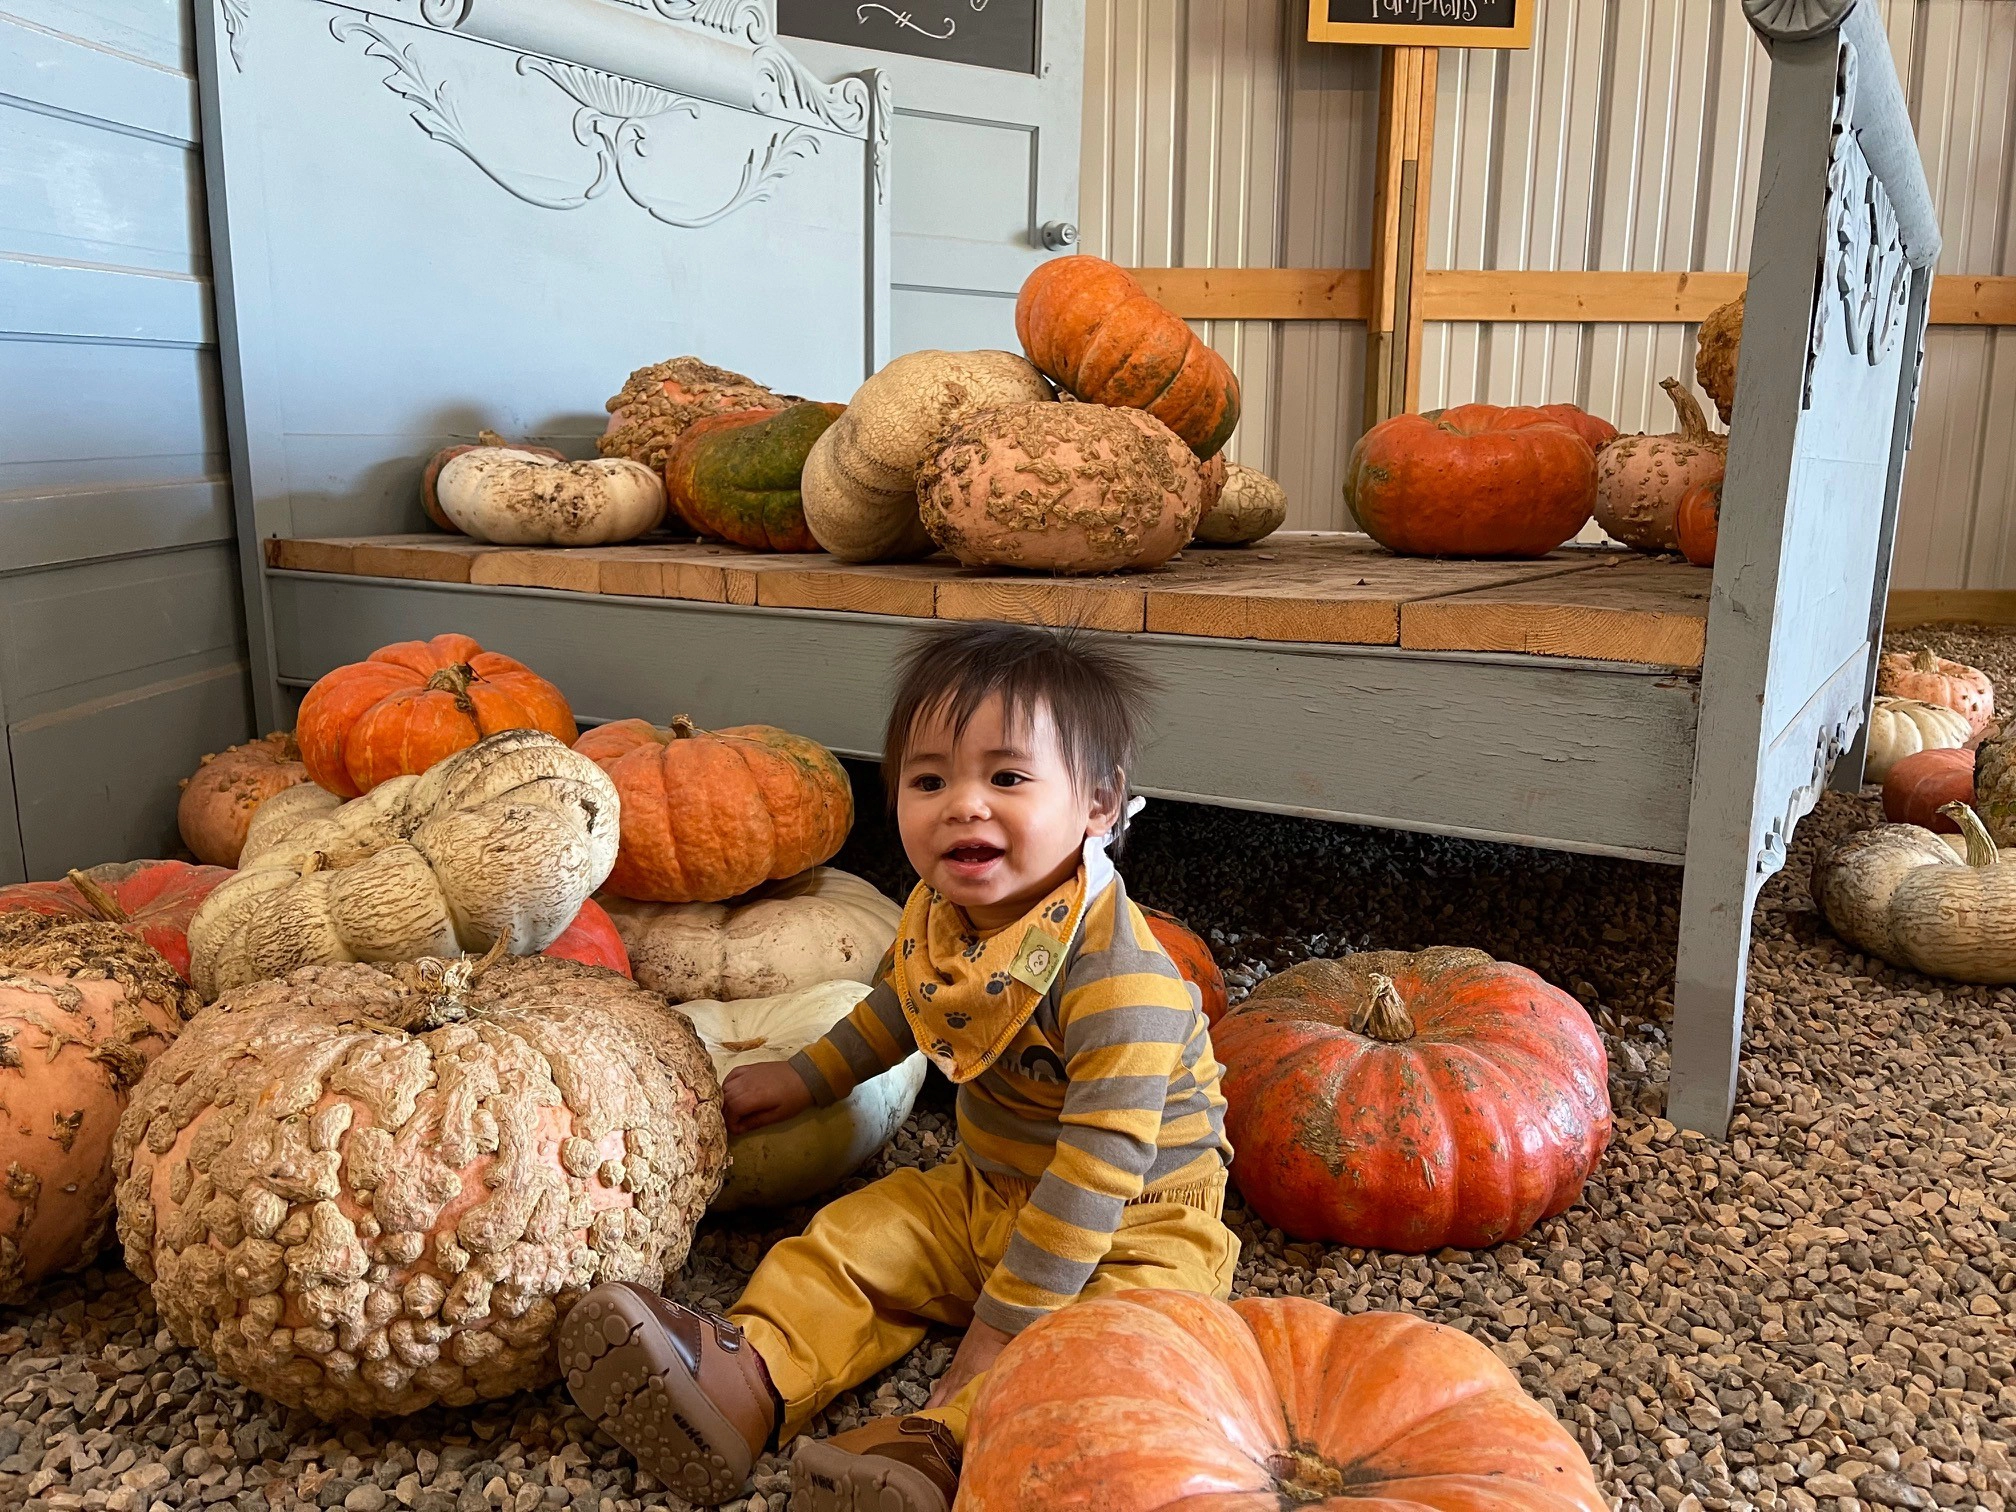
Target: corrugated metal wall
{"points": [[1626, 139], [122, 648]]}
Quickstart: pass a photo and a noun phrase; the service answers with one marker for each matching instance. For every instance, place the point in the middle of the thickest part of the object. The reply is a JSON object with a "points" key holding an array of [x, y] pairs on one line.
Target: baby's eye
{"points": [[1009, 779], [927, 782]]}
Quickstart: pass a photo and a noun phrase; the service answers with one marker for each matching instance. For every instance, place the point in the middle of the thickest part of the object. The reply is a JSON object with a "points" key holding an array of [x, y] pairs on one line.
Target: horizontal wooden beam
{"points": [[1958, 299], [1911, 607]]}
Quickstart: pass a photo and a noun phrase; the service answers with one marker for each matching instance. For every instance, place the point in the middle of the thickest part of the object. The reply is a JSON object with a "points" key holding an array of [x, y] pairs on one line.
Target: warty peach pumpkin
{"points": [[220, 797], [154, 901], [1641, 479], [658, 402]]}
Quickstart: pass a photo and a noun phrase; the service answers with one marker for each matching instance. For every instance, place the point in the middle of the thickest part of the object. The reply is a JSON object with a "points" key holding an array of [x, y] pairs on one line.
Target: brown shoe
{"points": [[891, 1465], [681, 1390]]}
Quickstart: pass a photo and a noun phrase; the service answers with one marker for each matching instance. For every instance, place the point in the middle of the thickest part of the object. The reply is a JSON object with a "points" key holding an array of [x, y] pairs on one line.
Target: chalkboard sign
{"points": [[986, 33], [1423, 23]]}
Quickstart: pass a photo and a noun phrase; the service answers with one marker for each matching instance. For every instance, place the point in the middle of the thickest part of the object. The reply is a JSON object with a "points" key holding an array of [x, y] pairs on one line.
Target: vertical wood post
{"points": [[1400, 242]]}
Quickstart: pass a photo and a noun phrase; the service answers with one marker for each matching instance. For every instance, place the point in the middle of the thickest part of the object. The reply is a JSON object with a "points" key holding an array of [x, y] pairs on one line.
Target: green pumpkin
{"points": [[736, 475]]}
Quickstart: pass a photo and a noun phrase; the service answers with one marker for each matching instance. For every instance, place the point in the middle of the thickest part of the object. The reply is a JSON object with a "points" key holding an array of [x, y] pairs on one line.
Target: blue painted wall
{"points": [[122, 647]]}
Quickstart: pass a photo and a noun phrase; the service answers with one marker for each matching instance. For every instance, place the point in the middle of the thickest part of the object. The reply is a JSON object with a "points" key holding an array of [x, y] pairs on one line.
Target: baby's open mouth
{"points": [[974, 854]]}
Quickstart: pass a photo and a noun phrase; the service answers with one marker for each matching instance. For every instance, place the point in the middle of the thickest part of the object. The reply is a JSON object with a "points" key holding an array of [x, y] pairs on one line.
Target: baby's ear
{"points": [[1109, 802]]}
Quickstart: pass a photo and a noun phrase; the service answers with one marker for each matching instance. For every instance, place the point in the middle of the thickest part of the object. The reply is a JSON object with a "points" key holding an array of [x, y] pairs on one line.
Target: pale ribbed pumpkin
{"points": [[430, 494], [709, 815]]}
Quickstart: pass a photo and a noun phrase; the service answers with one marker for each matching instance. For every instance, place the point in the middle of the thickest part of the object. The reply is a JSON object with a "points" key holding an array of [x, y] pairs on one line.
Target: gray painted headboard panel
{"points": [[439, 215]]}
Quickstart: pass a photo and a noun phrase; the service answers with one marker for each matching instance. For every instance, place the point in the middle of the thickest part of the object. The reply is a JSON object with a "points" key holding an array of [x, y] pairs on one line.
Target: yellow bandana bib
{"points": [[966, 995]]}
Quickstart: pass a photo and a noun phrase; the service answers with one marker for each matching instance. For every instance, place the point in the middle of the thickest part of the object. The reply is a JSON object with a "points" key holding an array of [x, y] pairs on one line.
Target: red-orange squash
{"points": [[1935, 680], [1698, 521], [1165, 1401], [707, 815], [1597, 431], [1410, 1101], [430, 492], [1919, 786], [592, 940], [737, 476], [408, 705], [151, 900], [1093, 330], [1476, 481], [1192, 957], [225, 791]]}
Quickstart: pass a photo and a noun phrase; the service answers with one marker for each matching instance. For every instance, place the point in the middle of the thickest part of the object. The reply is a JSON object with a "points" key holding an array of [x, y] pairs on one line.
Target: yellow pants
{"points": [[853, 1294]]}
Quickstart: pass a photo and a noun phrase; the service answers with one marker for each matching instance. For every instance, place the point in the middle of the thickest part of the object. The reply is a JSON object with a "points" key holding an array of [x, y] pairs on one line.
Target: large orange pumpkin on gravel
{"points": [[1095, 331], [1192, 957], [1476, 481], [1919, 786], [1410, 1101], [1162, 1401], [408, 705], [707, 815], [151, 900], [83, 1009], [225, 791]]}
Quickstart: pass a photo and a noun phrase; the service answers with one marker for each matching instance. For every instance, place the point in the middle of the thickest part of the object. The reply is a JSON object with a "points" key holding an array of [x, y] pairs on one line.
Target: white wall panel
{"points": [[1628, 138]]}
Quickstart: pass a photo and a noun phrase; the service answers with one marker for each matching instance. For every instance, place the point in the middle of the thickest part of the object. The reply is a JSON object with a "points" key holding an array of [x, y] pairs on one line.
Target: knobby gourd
{"points": [[1715, 350], [407, 705], [821, 925], [502, 842], [1900, 892], [1641, 479], [1071, 488], [151, 900], [1933, 679], [220, 797], [368, 1190], [659, 402], [1410, 1101]]}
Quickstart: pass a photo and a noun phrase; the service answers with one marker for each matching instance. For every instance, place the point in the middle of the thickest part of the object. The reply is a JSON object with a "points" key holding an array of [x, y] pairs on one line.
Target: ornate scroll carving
{"points": [[881, 106], [1841, 180], [1832, 740], [1796, 20], [744, 19], [237, 14], [610, 119]]}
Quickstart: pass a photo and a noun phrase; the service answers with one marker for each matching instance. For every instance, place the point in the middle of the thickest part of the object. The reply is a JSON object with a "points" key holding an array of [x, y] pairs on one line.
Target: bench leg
{"points": [[1716, 901]]}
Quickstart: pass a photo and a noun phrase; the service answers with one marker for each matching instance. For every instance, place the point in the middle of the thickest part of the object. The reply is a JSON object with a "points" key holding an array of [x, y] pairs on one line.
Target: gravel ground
{"points": [[1815, 1315]]}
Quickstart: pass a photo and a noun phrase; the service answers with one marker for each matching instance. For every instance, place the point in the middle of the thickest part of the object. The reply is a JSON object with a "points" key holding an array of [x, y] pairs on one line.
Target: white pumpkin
{"points": [[509, 497], [860, 478], [502, 841], [1900, 727], [1249, 507], [814, 1152], [1900, 892], [823, 925]]}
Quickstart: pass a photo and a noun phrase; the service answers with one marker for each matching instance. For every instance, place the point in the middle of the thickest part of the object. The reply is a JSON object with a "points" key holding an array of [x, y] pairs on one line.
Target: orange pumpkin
{"points": [[220, 798], [1407, 1102], [1697, 522], [408, 705], [1475, 481], [1192, 957], [1919, 786], [708, 815], [430, 493], [592, 940], [1155, 1401], [1096, 332], [151, 900], [1591, 428], [1935, 680]]}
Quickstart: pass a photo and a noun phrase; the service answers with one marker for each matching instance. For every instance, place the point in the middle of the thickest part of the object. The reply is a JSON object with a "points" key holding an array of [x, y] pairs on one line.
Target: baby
{"points": [[1091, 1155]]}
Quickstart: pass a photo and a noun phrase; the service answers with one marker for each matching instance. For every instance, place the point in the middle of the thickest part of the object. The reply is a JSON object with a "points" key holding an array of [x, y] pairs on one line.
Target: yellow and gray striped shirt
{"points": [[1109, 1094]]}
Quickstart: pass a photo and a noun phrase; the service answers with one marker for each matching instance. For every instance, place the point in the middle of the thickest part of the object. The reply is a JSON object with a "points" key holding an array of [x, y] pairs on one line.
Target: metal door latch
{"points": [[1057, 235]]}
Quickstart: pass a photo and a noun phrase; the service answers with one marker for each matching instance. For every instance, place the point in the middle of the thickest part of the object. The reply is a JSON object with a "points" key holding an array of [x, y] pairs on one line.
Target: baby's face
{"points": [[993, 819]]}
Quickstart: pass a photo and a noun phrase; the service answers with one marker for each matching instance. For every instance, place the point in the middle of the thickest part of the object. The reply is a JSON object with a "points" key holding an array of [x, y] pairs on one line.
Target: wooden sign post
{"points": [[1411, 32]]}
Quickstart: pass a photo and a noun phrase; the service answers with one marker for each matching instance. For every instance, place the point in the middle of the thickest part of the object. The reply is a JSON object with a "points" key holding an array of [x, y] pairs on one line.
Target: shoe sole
{"points": [[825, 1479], [623, 1372]]}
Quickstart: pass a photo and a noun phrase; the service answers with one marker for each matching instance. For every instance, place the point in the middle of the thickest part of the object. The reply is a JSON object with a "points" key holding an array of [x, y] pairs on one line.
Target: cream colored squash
{"points": [[820, 1148], [823, 925], [1900, 727], [503, 840], [519, 498], [1249, 507], [860, 479], [1900, 892]]}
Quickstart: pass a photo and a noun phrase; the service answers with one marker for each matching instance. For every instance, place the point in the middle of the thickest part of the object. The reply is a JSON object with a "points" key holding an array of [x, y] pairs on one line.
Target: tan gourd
{"points": [[367, 1190], [1901, 727], [1641, 479], [502, 841], [1250, 507], [823, 925], [1899, 892], [860, 480], [1995, 785], [819, 1148], [509, 497], [1715, 352]]}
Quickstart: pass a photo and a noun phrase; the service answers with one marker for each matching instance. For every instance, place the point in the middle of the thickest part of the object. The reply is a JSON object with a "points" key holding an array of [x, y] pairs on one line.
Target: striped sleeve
{"points": [[1126, 1017], [874, 1038]]}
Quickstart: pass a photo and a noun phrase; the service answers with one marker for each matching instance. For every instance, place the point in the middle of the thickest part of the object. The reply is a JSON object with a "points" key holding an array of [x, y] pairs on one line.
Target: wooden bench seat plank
{"points": [[1642, 610]]}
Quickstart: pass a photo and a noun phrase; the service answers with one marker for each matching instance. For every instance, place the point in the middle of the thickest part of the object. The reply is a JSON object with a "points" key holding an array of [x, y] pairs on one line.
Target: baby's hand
{"points": [[763, 1094]]}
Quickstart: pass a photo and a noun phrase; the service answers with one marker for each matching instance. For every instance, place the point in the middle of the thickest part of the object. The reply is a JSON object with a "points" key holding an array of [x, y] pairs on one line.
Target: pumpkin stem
{"points": [[1924, 661], [455, 679], [1385, 1016], [1693, 424], [289, 748], [447, 983], [488, 437], [683, 727], [1981, 849], [1304, 1478], [102, 902]]}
